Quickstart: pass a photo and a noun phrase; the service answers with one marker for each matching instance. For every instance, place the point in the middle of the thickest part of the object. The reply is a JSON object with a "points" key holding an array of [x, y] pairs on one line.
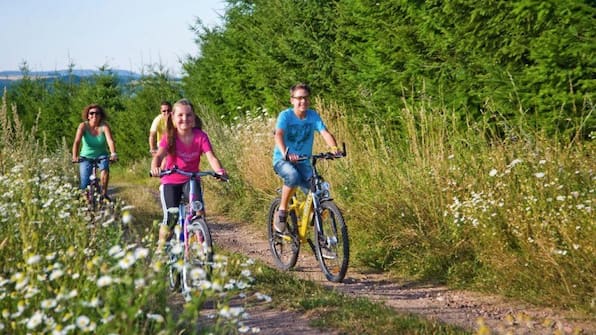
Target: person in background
{"points": [[294, 137], [182, 147], [158, 126], [92, 140]]}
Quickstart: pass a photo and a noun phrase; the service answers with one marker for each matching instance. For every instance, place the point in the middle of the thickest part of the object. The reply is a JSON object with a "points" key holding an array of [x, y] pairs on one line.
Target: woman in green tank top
{"points": [[93, 140]]}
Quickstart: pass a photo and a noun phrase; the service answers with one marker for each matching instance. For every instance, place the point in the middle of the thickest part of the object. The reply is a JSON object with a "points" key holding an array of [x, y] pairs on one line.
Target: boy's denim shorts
{"points": [[294, 175]]}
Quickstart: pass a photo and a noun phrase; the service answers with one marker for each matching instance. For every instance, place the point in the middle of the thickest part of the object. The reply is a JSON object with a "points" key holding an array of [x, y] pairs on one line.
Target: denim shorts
{"points": [[294, 174], [85, 168]]}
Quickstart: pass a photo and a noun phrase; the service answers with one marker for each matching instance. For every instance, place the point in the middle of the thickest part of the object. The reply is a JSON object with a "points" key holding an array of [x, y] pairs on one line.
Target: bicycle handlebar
{"points": [[190, 174], [92, 160], [325, 155]]}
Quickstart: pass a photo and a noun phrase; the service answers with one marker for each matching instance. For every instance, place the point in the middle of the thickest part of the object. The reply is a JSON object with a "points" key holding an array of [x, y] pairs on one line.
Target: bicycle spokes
{"points": [[332, 246]]}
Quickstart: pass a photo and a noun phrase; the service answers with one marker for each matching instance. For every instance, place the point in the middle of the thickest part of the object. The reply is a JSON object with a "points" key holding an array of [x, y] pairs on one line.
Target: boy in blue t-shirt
{"points": [[294, 137]]}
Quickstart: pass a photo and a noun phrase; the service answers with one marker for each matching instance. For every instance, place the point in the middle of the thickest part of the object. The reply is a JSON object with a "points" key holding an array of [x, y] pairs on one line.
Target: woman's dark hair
{"points": [[85, 112]]}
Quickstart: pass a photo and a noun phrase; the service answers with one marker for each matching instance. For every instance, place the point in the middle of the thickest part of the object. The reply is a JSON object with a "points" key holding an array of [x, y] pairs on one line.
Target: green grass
{"points": [[333, 310]]}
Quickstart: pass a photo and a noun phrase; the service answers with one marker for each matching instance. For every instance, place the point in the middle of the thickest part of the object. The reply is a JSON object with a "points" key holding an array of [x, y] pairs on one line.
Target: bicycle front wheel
{"points": [[199, 258], [92, 196], [332, 244], [284, 247]]}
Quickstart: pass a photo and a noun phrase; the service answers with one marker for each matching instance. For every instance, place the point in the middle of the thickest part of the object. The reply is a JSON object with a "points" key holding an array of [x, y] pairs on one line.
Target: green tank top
{"points": [[93, 146]]}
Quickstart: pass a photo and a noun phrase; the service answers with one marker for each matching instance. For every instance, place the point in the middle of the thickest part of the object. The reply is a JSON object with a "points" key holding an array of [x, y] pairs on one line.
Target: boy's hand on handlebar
{"points": [[292, 157]]}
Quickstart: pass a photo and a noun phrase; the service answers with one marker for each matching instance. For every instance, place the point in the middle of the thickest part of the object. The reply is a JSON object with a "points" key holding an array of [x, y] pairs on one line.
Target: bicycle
{"points": [[191, 236], [316, 210], [93, 192]]}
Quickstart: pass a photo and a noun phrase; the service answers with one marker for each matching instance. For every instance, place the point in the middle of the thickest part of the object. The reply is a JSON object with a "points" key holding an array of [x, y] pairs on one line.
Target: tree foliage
{"points": [[527, 59]]}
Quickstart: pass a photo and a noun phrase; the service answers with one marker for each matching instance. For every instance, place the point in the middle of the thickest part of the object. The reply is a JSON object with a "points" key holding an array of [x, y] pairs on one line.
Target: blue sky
{"points": [[124, 34]]}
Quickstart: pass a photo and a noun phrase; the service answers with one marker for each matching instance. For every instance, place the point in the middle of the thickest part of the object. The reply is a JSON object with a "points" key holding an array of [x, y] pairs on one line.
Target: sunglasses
{"points": [[95, 113], [166, 110]]}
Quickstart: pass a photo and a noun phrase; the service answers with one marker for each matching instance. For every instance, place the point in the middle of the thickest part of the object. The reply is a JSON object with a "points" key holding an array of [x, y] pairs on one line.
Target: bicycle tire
{"points": [[175, 265], [284, 249], [174, 274], [331, 242], [91, 196], [200, 254]]}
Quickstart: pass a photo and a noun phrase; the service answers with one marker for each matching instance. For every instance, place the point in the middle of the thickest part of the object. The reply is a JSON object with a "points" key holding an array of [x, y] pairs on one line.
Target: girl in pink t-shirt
{"points": [[182, 146]]}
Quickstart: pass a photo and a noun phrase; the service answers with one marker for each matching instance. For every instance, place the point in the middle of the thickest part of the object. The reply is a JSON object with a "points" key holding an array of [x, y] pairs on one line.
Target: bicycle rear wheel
{"points": [[284, 248], [332, 244], [199, 259]]}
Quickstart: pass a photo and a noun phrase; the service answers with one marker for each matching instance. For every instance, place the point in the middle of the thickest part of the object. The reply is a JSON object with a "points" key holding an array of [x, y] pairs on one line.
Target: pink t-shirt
{"points": [[187, 157]]}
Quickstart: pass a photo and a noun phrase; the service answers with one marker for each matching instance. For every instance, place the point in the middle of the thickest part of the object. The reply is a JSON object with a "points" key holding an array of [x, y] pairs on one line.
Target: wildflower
{"points": [[48, 303], [560, 198], [231, 312], [156, 317], [141, 253], [93, 303], [35, 320], [33, 259], [263, 297], [126, 217], [114, 251], [50, 256], [177, 249], [127, 261], [139, 282], [72, 294], [104, 281], [493, 172], [198, 274], [57, 273], [82, 322], [539, 175], [514, 162]]}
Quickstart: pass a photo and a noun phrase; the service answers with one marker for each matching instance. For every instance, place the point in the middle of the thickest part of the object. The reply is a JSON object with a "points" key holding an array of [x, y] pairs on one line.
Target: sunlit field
{"points": [[66, 270]]}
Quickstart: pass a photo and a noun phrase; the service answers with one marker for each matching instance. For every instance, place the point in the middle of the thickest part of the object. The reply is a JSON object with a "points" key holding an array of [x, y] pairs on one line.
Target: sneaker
{"points": [[280, 226]]}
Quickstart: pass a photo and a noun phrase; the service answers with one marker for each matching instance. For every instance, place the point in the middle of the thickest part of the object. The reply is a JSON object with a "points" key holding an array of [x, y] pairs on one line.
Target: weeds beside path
{"points": [[465, 309], [472, 311]]}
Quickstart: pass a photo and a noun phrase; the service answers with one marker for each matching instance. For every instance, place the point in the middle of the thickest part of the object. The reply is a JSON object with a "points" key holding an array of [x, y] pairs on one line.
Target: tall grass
{"points": [[66, 270], [504, 209]]}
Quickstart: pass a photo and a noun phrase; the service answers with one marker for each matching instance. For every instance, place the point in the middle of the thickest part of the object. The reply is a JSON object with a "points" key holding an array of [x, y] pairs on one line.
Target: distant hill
{"points": [[8, 78]]}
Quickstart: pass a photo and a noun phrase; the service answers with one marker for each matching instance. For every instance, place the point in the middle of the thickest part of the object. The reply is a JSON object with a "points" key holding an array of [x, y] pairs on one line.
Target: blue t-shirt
{"points": [[298, 134]]}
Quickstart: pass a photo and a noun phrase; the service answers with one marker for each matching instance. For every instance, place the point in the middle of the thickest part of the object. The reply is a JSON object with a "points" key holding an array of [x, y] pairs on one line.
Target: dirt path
{"points": [[454, 307], [459, 308]]}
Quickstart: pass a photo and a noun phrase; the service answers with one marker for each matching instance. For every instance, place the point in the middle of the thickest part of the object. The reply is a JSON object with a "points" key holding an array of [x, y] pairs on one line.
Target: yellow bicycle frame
{"points": [[303, 210]]}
